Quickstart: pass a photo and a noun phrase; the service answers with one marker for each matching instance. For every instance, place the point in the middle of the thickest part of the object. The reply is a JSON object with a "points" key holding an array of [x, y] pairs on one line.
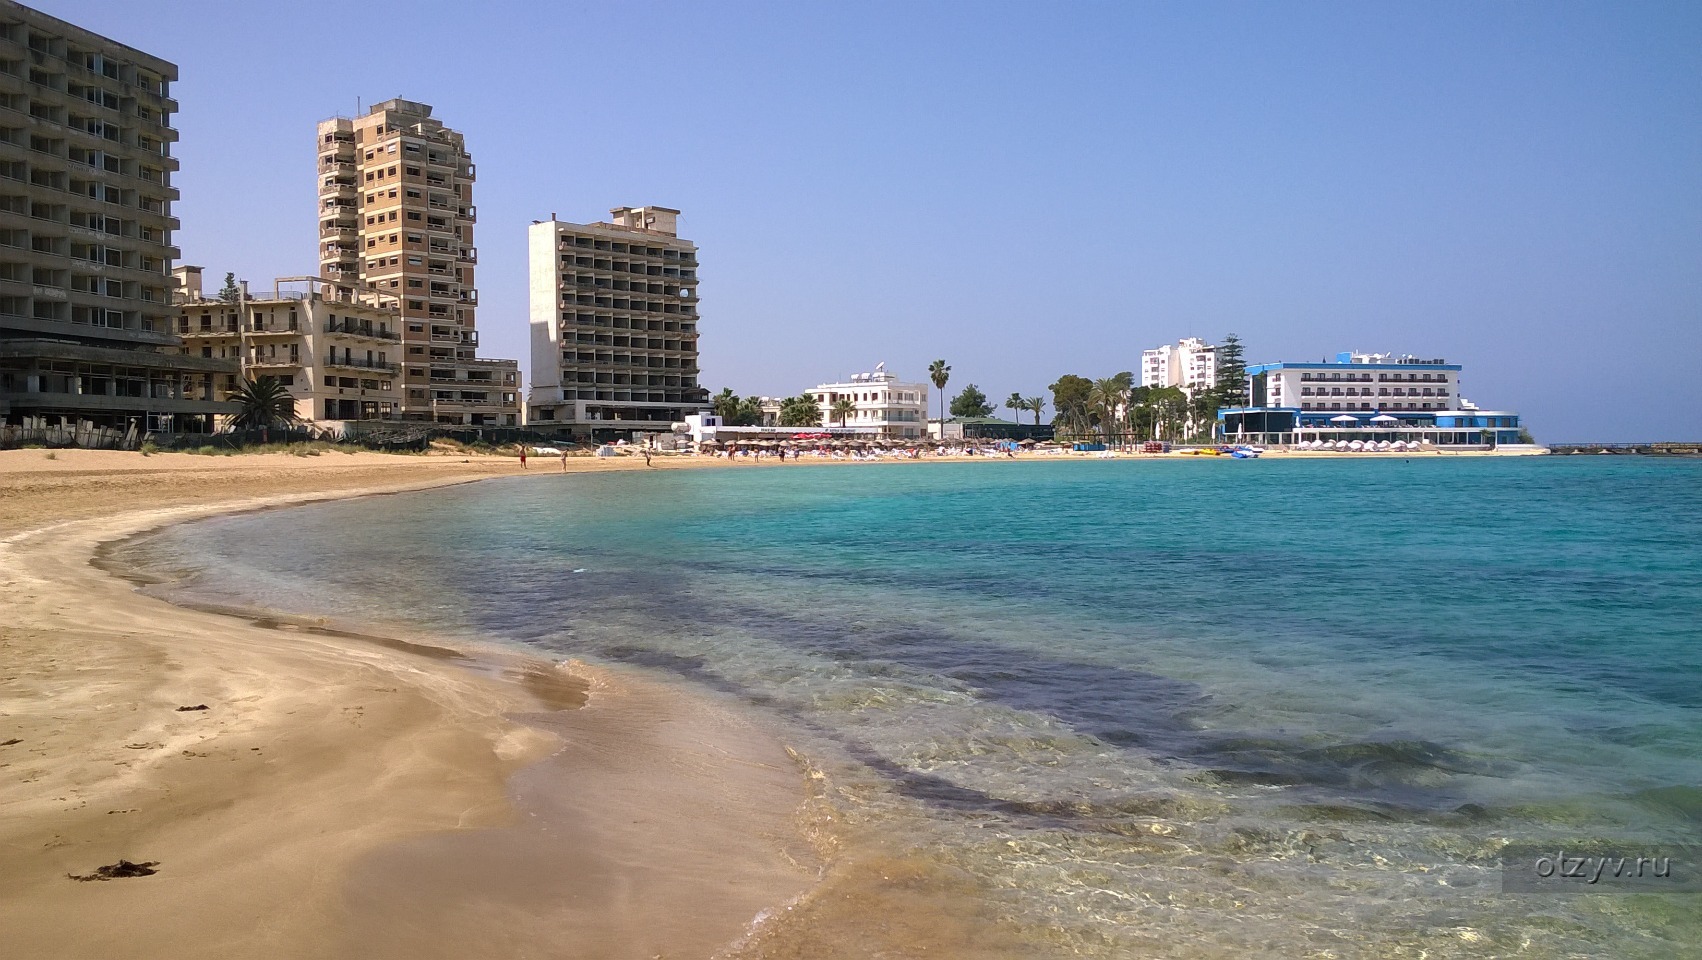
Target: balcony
{"points": [[352, 329], [361, 363], [468, 255]]}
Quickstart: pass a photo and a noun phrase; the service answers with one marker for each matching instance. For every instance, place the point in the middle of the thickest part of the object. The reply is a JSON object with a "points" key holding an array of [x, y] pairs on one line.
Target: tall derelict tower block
{"points": [[396, 212], [614, 325], [87, 327]]}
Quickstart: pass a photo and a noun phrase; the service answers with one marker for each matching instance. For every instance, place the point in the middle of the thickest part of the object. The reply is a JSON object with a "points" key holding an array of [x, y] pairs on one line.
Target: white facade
{"points": [[614, 324], [1190, 363], [885, 406], [1362, 382]]}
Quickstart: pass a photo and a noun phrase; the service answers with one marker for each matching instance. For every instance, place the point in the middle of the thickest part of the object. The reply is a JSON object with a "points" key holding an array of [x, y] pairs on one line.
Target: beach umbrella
{"points": [[1385, 418], [1345, 418]]}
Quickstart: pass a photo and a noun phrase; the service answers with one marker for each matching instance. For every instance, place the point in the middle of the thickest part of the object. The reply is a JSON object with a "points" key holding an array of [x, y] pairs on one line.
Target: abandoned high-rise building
{"points": [[396, 212], [86, 236], [614, 325]]}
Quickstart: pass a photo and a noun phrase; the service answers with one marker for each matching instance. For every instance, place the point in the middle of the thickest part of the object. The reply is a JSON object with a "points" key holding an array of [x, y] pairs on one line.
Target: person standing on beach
{"points": [[563, 459], [647, 462], [522, 456]]}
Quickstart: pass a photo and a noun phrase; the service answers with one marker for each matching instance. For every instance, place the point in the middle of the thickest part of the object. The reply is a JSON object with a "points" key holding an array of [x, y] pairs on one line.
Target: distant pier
{"points": [[1684, 449]]}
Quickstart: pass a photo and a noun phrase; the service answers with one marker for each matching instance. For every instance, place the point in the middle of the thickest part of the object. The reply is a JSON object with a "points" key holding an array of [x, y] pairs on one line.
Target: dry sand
{"points": [[341, 798]]}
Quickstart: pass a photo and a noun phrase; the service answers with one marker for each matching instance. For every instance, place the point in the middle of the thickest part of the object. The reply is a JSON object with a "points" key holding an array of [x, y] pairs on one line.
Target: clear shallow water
{"points": [[1168, 708]]}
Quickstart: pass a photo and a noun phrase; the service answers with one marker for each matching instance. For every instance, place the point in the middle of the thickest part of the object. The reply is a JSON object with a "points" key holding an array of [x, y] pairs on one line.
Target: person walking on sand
{"points": [[522, 456], [563, 459], [647, 462]]}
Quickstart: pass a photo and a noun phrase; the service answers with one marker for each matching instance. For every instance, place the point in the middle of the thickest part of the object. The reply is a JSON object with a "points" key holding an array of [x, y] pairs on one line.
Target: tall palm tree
{"points": [[262, 403], [1109, 398], [940, 373], [1016, 404], [726, 405], [1037, 405], [843, 408]]}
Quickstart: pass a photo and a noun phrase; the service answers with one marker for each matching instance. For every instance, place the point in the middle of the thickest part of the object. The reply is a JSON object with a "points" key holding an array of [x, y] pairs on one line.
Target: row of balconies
{"points": [[621, 266], [622, 323], [45, 171], [625, 380], [635, 343], [61, 56], [608, 283], [1368, 406], [1366, 391], [353, 328], [623, 303], [1381, 377], [577, 363], [615, 246], [361, 363]]}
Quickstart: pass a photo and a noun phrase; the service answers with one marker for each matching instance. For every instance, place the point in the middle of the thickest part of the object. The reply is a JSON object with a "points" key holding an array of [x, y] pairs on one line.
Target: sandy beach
{"points": [[340, 797]]}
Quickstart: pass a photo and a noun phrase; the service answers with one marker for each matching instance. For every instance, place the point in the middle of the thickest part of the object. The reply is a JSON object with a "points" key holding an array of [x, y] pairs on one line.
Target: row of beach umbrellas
{"points": [[1358, 446]]}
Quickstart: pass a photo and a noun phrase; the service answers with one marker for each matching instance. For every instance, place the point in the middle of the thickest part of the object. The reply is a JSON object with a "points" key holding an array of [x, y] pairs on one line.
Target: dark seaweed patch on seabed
{"points": [[1128, 709]]}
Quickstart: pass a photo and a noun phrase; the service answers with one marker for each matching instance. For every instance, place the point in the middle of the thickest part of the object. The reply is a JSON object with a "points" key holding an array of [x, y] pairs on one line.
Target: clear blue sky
{"points": [[1028, 190]]}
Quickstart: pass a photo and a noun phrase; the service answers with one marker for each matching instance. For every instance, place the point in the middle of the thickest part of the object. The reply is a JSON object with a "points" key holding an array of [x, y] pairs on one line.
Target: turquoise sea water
{"points": [[1147, 708]]}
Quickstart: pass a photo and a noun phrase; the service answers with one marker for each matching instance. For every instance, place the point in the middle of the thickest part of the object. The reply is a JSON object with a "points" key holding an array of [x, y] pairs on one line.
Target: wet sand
{"points": [[340, 797]]}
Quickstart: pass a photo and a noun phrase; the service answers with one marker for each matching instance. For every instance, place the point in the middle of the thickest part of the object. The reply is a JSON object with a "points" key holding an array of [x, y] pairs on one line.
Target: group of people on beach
{"points": [[524, 450]]}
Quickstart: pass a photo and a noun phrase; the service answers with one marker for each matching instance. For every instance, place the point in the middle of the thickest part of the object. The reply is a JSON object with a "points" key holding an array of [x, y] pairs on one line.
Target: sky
{"points": [[1028, 189]]}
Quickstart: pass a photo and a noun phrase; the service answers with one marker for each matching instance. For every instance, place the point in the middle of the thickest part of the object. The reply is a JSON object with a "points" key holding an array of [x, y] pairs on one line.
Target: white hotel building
{"points": [[1190, 363], [1365, 396], [885, 406]]}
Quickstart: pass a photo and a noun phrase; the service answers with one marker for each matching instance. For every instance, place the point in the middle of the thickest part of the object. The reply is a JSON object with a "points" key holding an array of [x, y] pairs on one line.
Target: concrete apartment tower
{"points": [[614, 325], [85, 236], [396, 212]]}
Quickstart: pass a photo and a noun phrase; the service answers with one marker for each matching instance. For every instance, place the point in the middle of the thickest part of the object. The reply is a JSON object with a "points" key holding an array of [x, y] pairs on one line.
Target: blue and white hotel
{"points": [[1369, 397]]}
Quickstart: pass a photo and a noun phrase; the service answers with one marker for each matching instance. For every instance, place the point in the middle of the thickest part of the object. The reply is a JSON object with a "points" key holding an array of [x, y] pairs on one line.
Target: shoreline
{"points": [[337, 793]]}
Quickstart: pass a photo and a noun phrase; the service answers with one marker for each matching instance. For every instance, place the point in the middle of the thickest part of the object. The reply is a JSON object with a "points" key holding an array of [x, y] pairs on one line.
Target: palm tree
{"points": [[262, 403], [1037, 405], [940, 373], [726, 405], [843, 408], [1016, 404], [1109, 398], [800, 411]]}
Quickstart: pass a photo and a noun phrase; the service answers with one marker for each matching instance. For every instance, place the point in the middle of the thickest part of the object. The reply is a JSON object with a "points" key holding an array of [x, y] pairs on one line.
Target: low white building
{"points": [[1190, 363], [883, 405]]}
